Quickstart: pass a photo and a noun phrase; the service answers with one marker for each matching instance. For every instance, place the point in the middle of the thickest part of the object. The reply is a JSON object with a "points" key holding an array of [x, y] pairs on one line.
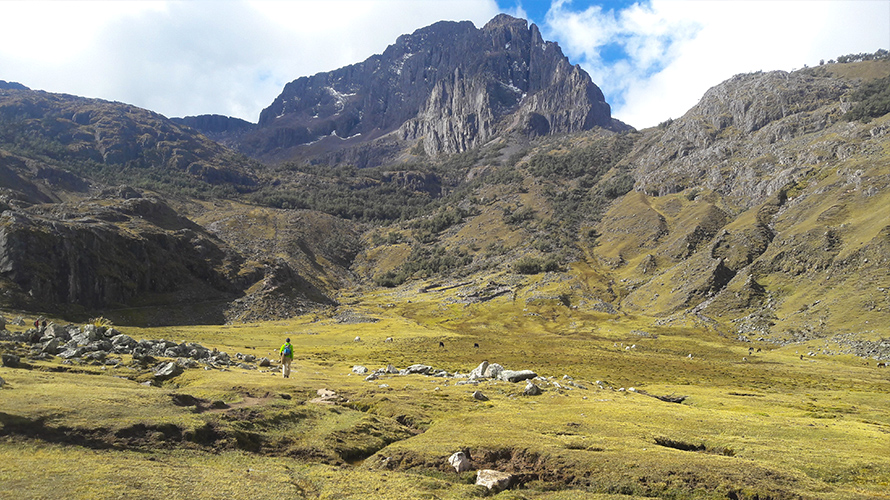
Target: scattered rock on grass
{"points": [[531, 389], [479, 396], [327, 396], [10, 360]]}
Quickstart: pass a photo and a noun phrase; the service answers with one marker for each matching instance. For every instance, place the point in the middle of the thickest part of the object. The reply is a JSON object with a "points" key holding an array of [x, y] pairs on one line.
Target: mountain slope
{"points": [[780, 202], [70, 243], [116, 143]]}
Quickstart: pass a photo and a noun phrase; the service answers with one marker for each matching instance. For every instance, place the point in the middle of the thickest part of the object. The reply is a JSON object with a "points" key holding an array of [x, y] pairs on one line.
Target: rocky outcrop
{"points": [[89, 344], [450, 85], [732, 141]]}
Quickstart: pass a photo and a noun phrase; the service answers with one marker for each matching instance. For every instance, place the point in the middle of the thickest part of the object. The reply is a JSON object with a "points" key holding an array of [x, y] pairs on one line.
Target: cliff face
{"points": [[105, 256], [451, 85]]}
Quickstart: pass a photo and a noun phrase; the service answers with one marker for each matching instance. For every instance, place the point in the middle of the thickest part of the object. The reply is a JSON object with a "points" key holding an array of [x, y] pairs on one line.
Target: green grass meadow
{"points": [[761, 423]]}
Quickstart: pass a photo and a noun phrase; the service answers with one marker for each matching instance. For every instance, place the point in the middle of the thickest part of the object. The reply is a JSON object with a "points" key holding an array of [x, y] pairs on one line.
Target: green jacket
{"points": [[281, 351]]}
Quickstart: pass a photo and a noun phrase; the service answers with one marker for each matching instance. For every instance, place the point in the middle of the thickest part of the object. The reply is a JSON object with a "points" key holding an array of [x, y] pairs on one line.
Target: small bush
{"points": [[100, 322], [618, 186]]}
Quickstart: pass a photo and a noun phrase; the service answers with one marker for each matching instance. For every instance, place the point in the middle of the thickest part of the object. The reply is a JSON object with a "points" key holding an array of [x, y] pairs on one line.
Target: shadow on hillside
{"points": [[186, 313]]}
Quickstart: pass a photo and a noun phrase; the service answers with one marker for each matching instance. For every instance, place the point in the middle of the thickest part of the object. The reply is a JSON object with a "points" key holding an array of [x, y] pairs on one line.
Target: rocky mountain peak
{"points": [[449, 85]]}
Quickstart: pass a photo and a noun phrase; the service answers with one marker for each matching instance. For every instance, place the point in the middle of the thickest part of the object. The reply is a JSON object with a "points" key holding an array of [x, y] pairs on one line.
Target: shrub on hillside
{"points": [[533, 265], [873, 100]]}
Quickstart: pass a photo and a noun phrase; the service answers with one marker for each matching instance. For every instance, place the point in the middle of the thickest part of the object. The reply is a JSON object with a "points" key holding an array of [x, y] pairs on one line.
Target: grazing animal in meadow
{"points": [[442, 344], [388, 339], [881, 365], [476, 345]]}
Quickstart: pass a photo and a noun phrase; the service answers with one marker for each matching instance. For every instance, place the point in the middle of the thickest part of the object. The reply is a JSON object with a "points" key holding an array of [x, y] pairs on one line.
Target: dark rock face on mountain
{"points": [[450, 85], [223, 129]]}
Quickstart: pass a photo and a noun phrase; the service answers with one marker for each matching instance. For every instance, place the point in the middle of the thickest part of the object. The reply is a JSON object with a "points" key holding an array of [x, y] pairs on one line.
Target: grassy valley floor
{"points": [[755, 420]]}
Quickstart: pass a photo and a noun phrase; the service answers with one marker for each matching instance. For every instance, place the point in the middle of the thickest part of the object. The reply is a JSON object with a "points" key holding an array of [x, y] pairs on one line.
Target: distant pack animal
{"points": [[442, 344], [476, 345]]}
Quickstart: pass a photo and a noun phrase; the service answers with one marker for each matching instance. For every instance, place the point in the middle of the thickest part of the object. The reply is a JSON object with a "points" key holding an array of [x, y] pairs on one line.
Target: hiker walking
{"points": [[287, 355]]}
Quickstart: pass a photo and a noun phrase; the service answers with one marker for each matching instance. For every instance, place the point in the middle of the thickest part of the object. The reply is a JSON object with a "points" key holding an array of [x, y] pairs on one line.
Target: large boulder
{"points": [[494, 480], [73, 352], [57, 331], [52, 346], [516, 376], [86, 335], [493, 371], [123, 343], [459, 461], [167, 370], [417, 369], [479, 371]]}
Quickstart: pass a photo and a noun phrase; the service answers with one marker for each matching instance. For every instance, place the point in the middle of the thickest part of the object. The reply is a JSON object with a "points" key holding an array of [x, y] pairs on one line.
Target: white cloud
{"points": [[194, 57], [677, 49]]}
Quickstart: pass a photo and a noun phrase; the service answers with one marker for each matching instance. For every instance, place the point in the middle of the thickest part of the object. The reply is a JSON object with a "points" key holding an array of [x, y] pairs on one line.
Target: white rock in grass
{"points": [[493, 480], [459, 461]]}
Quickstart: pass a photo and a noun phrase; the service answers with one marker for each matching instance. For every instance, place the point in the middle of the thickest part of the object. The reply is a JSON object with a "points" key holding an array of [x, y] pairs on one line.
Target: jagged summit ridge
{"points": [[450, 85]]}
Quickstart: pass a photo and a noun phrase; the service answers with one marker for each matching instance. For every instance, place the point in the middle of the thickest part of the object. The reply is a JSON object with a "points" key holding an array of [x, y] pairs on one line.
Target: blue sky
{"points": [[653, 59]]}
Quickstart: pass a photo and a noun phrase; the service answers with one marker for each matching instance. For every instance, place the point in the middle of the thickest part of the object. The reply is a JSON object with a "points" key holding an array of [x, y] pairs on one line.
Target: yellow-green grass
{"points": [[765, 423]]}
